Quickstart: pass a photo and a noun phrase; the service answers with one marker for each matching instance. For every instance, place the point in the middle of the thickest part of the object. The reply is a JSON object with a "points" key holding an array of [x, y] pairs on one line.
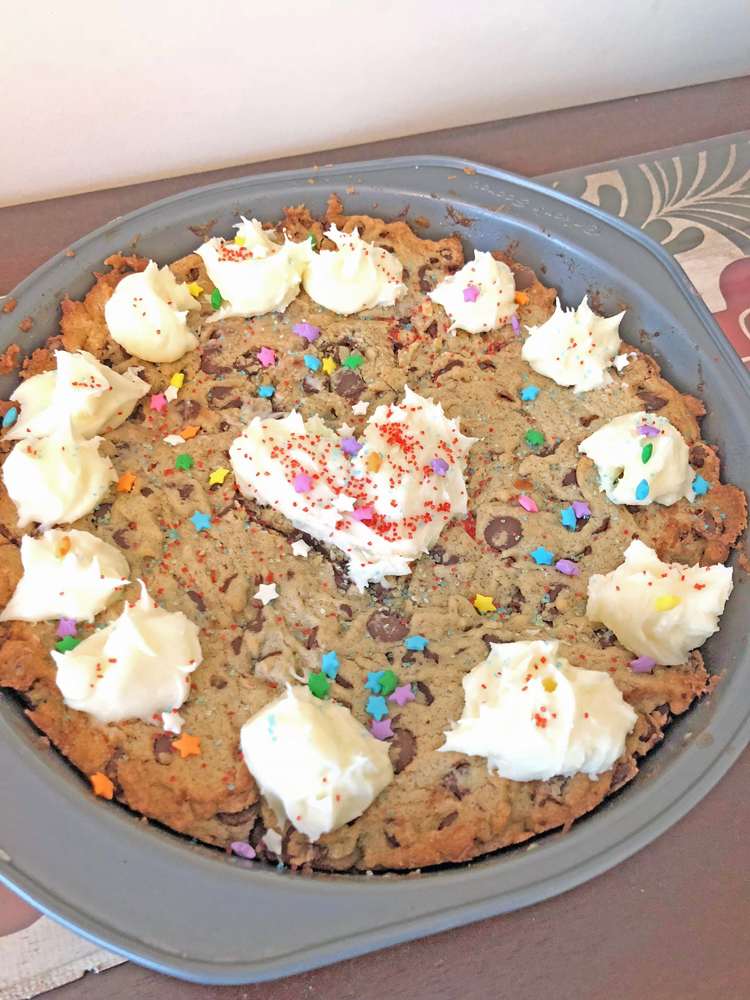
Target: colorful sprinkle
{"points": [[388, 683], [158, 402], [542, 557], [643, 665], [67, 627], [528, 504], [351, 446], [266, 390], [312, 362], [216, 299], [439, 466], [187, 745], [482, 603], [402, 694], [300, 548], [373, 681], [381, 730], [530, 393], [700, 486], [522, 298], [534, 438], [177, 380], [648, 430], [318, 684], [65, 645], [581, 508], [202, 522], [184, 462], [10, 417], [471, 293], [266, 593], [329, 365], [667, 602], [329, 664], [188, 432], [362, 514], [310, 333], [102, 785], [376, 707], [353, 361], [516, 325], [267, 357], [302, 483], [641, 490], [240, 241], [416, 642], [313, 240], [242, 850], [195, 289], [373, 462], [567, 567], [126, 483], [218, 476], [647, 452], [568, 518]]}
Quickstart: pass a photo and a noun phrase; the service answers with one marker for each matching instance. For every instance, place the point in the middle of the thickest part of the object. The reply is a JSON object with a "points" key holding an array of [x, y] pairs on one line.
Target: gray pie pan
{"points": [[185, 909]]}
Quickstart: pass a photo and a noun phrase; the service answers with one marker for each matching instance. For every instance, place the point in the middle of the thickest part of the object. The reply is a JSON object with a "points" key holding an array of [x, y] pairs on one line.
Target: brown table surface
{"points": [[671, 922]]}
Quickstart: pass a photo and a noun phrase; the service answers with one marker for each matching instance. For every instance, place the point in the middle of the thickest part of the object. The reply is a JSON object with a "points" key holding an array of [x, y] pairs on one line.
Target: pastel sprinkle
{"points": [[641, 490], [310, 333], [362, 513], [66, 644], [158, 402], [516, 325], [188, 432], [353, 361], [483, 604], [266, 390], [643, 665], [351, 446], [66, 627], [242, 850], [318, 684], [440, 466], [534, 438], [126, 483], [581, 508], [648, 430], [416, 642], [267, 357], [102, 785], [402, 694], [542, 557], [177, 380], [313, 240], [568, 518], [184, 462], [312, 362], [218, 476], [10, 417], [329, 664], [239, 241], [329, 365], [195, 289], [528, 504], [667, 602], [374, 462], [373, 681], [376, 707], [381, 730], [522, 298], [567, 567], [647, 453], [530, 393], [302, 483], [216, 299], [700, 486], [471, 293], [201, 521], [388, 683]]}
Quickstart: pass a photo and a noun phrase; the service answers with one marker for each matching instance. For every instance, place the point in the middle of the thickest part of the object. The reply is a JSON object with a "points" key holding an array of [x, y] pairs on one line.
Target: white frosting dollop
{"points": [[137, 667], [354, 277], [256, 275], [574, 347], [147, 315], [618, 450], [94, 397], [56, 479], [478, 313], [66, 574], [656, 609], [314, 763], [392, 477], [534, 716]]}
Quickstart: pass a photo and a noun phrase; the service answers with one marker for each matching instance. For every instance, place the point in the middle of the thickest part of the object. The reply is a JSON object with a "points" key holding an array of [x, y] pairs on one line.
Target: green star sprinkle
{"points": [[388, 683], [216, 299], [353, 361], [184, 461], [534, 438], [66, 644], [318, 685], [313, 240]]}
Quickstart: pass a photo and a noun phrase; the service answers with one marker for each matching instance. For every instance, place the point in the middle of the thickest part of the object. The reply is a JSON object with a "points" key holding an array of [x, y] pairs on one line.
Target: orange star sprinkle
{"points": [[374, 462], [102, 785], [126, 483], [64, 547], [188, 432], [522, 298], [187, 745]]}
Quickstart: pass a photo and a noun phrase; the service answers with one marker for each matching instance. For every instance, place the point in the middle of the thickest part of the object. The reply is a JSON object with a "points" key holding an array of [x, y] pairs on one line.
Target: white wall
{"points": [[97, 93]]}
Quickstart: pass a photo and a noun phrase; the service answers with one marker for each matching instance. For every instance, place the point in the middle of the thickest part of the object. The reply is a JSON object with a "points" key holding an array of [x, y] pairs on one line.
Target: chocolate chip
{"points": [[348, 384], [218, 682], [663, 709], [102, 511], [238, 818], [489, 638], [451, 781], [431, 330], [223, 397], [451, 364], [211, 368], [408, 658], [146, 491], [163, 745], [197, 600], [5, 533], [311, 385], [706, 524], [698, 455], [387, 248], [425, 285], [390, 839], [424, 690], [621, 773], [346, 611], [194, 273], [570, 478], [429, 655], [604, 526], [385, 627], [340, 578], [503, 533], [524, 277], [402, 749], [651, 401], [236, 645], [554, 592], [448, 820], [585, 421], [223, 587], [119, 537], [312, 639], [605, 639], [188, 408]]}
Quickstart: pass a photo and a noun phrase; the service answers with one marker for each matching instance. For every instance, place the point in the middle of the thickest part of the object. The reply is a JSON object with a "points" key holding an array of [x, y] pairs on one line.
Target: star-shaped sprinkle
{"points": [[102, 785], [542, 557], [528, 504], [65, 645], [218, 475], [126, 483], [310, 333], [402, 694], [202, 522], [329, 664], [173, 439], [345, 431], [67, 627], [568, 518], [388, 682], [216, 299], [267, 357], [10, 417], [302, 483], [373, 463], [534, 438], [353, 361], [530, 393], [184, 462], [567, 567], [581, 508], [170, 393], [242, 850], [195, 289], [351, 446], [362, 514], [312, 362], [471, 293], [329, 365], [416, 642], [172, 722], [643, 665], [648, 430], [267, 391], [439, 466], [373, 681], [376, 707], [239, 241], [522, 298], [158, 402], [318, 684], [700, 486], [381, 730], [177, 380], [188, 432], [187, 745], [482, 603], [266, 593], [360, 408]]}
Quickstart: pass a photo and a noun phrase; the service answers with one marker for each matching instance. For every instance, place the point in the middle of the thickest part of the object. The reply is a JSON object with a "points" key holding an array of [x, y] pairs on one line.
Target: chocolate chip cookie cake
{"points": [[328, 546]]}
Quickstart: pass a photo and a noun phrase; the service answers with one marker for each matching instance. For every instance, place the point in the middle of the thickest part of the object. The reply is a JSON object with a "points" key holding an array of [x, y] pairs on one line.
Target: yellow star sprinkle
{"points": [[218, 476], [187, 745], [102, 785], [329, 365], [195, 289], [484, 603], [240, 241], [667, 602], [177, 380]]}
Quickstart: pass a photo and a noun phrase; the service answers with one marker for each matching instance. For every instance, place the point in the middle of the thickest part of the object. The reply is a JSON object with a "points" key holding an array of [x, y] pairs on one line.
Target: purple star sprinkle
{"points": [[402, 694], [567, 567], [440, 466], [302, 483], [310, 333], [381, 730], [243, 850], [648, 430], [362, 513], [67, 626], [643, 665], [351, 446], [581, 509], [471, 293], [516, 326]]}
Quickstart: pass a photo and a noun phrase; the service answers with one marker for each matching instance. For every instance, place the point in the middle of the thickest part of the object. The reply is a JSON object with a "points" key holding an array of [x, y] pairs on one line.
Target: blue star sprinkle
{"points": [[542, 557], [373, 681], [376, 707], [700, 486], [266, 390], [312, 362], [201, 521], [416, 642], [530, 393], [330, 664], [568, 518]]}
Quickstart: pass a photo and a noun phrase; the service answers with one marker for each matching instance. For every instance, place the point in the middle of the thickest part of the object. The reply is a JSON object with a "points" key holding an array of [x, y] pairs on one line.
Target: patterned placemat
{"points": [[693, 199]]}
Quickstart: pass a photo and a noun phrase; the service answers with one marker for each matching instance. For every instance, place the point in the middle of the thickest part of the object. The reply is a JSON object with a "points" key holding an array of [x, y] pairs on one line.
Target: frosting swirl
{"points": [[480, 297]]}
